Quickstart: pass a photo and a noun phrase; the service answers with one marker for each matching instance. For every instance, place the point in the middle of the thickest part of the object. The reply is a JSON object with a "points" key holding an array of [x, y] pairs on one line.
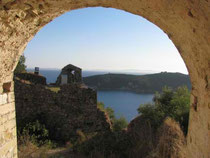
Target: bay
{"points": [[124, 103]]}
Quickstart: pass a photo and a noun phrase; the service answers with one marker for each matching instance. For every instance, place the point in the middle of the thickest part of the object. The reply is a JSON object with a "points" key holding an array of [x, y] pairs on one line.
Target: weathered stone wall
{"points": [[8, 146], [186, 23], [74, 74], [63, 113], [31, 77]]}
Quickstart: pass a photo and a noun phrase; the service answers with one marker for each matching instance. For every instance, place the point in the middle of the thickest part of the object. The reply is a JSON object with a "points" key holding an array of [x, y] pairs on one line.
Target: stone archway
{"points": [[186, 23]]}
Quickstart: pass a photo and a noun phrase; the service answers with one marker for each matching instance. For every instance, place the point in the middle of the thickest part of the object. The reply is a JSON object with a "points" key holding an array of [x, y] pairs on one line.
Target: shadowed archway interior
{"points": [[186, 23]]}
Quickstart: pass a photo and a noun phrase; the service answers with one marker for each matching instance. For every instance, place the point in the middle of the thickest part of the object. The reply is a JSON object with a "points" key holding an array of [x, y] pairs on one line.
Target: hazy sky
{"points": [[103, 39]]}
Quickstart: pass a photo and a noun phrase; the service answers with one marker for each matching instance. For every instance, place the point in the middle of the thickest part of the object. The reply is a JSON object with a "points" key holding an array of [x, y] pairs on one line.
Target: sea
{"points": [[124, 103]]}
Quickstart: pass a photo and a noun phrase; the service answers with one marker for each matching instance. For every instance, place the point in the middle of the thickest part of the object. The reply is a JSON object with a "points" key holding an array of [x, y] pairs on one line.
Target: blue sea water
{"points": [[124, 103], [52, 74]]}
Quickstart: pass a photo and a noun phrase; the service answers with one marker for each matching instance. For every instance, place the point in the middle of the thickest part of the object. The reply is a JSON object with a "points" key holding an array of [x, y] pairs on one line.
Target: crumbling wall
{"points": [[31, 77], [185, 22], [63, 113], [73, 73]]}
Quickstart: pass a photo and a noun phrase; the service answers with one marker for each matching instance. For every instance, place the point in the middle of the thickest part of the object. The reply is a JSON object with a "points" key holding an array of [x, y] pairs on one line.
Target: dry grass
{"points": [[32, 151], [171, 142], [26, 149], [54, 89]]}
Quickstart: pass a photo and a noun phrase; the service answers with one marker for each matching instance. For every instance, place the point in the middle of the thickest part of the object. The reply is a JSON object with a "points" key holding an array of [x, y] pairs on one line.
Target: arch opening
{"points": [[69, 68], [174, 18]]}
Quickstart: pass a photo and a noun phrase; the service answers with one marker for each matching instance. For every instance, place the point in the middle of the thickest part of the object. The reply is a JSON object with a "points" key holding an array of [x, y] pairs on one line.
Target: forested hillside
{"points": [[140, 84]]}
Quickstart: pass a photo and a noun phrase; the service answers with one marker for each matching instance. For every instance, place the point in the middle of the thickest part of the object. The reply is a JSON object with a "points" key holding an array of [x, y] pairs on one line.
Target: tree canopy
{"points": [[168, 103], [21, 67]]}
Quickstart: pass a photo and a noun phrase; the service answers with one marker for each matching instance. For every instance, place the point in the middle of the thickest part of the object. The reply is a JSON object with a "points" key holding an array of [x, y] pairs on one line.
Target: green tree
{"points": [[101, 106], [151, 114], [168, 103], [21, 67], [110, 113], [35, 132], [117, 124], [120, 124]]}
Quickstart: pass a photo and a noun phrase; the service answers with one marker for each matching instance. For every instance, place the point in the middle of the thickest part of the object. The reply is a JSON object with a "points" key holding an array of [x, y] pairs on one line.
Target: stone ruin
{"points": [[31, 78], [75, 106], [74, 103], [69, 74]]}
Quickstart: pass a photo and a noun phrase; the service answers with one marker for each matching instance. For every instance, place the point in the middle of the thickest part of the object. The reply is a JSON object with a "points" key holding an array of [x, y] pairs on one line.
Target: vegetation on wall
{"points": [[118, 124]]}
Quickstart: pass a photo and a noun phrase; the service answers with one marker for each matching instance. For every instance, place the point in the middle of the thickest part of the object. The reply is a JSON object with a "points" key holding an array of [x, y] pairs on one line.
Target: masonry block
{"points": [[7, 108], [1, 99], [11, 115], [11, 97], [8, 149], [8, 125], [1, 88], [3, 119]]}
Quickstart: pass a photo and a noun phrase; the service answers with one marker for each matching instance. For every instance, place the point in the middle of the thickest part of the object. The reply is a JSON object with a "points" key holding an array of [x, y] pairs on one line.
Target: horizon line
{"points": [[119, 71]]}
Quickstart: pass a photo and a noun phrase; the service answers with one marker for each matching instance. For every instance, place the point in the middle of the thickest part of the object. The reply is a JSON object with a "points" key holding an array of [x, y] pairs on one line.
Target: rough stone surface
{"points": [[4, 98], [186, 23], [1, 89], [73, 74], [74, 106], [31, 78], [1, 99], [8, 140]]}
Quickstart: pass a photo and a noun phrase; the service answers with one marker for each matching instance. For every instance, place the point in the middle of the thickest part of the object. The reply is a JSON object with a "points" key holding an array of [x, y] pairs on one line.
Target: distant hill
{"points": [[136, 83]]}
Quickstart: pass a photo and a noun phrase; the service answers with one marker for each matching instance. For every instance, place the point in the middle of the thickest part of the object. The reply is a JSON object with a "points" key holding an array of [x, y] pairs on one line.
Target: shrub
{"points": [[106, 144], [120, 124], [168, 103], [35, 133], [109, 111], [117, 124], [149, 113]]}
